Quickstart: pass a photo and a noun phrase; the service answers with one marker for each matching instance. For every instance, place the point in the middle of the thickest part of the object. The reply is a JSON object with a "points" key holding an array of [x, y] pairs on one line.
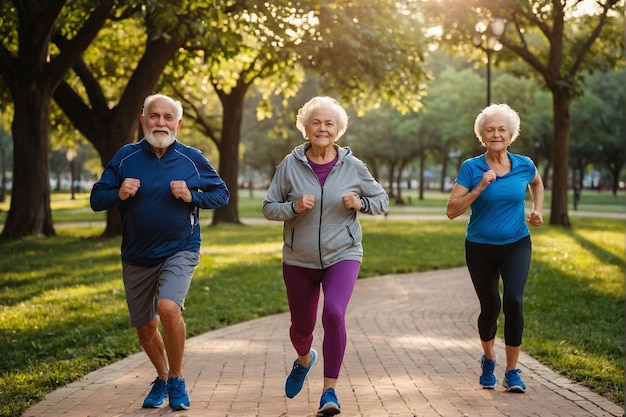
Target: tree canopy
{"points": [[557, 40]]}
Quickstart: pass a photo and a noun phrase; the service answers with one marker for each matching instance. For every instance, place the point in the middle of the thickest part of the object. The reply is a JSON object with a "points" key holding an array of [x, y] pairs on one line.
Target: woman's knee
{"points": [[333, 319]]}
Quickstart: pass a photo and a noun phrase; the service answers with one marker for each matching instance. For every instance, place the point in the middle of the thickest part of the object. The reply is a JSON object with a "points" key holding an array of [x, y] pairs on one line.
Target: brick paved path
{"points": [[413, 351]]}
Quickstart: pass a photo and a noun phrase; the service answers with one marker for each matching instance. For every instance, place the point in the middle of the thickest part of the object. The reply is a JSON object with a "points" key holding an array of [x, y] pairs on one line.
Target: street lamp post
{"points": [[486, 36], [71, 155]]}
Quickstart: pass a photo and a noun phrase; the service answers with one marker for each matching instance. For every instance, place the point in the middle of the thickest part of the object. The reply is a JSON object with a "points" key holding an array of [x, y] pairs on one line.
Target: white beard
{"points": [[161, 142]]}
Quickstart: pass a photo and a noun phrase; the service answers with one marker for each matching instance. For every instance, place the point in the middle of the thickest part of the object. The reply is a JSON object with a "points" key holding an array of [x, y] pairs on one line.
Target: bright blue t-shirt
{"points": [[498, 214]]}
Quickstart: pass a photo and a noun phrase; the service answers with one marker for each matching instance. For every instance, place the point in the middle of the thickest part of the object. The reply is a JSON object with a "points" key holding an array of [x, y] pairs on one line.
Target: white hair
{"points": [[178, 107], [325, 102], [511, 116]]}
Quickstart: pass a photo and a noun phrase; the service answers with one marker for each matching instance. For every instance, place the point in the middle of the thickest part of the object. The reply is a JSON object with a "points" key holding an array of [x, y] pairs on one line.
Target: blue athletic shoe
{"points": [[295, 380], [156, 397], [329, 406], [513, 382], [487, 378], [177, 393]]}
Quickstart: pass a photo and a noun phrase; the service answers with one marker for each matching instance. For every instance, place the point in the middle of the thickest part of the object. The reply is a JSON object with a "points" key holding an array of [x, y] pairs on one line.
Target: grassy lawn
{"points": [[63, 312]]}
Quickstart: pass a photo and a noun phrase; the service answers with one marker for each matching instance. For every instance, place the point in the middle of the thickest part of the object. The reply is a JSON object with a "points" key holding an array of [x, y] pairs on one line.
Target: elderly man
{"points": [[159, 184]]}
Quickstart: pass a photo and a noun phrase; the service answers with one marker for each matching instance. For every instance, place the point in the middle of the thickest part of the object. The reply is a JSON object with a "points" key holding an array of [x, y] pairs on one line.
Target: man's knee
{"points": [[169, 312]]}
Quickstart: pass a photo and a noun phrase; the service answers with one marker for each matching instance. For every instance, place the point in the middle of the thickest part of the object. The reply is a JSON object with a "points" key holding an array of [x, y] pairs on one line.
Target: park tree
{"points": [[103, 95], [45, 50], [448, 118], [558, 39], [362, 53], [31, 69], [598, 128]]}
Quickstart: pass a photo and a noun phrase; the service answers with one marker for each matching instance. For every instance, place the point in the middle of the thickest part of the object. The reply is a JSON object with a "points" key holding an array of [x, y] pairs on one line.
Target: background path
{"points": [[413, 351]]}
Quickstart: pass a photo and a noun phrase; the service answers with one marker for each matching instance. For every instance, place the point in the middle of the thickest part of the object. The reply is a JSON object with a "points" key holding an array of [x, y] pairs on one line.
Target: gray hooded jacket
{"points": [[329, 232]]}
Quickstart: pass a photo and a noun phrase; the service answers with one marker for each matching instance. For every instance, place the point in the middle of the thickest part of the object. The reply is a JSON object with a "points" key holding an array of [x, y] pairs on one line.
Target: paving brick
{"points": [[412, 351]]}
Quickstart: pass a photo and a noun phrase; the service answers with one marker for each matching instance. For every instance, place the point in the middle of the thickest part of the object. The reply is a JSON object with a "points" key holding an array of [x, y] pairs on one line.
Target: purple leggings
{"points": [[303, 293]]}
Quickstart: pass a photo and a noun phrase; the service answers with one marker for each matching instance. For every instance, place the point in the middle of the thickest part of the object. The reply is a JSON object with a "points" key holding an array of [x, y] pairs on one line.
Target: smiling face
{"points": [[495, 133], [160, 125], [321, 129]]}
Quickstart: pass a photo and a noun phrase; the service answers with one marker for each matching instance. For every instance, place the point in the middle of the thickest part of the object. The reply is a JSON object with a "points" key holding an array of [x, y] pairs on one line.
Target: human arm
{"points": [[535, 218], [461, 198], [277, 205], [110, 189], [206, 189], [372, 198]]}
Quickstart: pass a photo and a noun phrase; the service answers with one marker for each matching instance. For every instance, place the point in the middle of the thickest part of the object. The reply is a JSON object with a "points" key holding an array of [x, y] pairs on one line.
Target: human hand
{"points": [[304, 203], [128, 188], [352, 201], [488, 177], [535, 218], [180, 190]]}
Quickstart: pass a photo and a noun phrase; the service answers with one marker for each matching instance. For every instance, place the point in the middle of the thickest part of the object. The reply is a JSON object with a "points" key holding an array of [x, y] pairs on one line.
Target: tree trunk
{"points": [[422, 169], [30, 212], [560, 157], [444, 172], [232, 117], [110, 129]]}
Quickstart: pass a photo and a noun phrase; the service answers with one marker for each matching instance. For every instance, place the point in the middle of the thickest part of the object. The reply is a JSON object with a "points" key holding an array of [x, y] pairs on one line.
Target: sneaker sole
{"points": [[153, 406], [181, 407], [515, 389], [328, 410]]}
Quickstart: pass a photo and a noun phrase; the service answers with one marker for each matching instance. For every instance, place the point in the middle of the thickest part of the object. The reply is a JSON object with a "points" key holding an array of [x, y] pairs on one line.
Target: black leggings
{"points": [[486, 263]]}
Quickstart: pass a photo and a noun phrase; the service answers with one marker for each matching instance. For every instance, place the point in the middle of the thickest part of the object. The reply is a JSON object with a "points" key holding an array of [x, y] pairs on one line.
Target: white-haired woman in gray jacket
{"points": [[317, 191]]}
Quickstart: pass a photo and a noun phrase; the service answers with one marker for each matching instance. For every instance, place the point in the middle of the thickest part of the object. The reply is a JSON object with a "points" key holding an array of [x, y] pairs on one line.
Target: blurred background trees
{"points": [[74, 76]]}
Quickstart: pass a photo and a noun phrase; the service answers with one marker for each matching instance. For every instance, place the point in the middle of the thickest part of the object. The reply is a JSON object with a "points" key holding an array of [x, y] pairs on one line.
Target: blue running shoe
{"points": [[487, 378], [513, 382], [177, 393], [329, 406], [295, 380], [156, 397]]}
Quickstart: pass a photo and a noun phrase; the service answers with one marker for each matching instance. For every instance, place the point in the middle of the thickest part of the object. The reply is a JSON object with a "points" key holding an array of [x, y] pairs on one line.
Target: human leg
{"points": [[174, 281], [303, 289], [141, 287], [174, 334], [515, 268], [485, 275], [152, 344], [338, 286]]}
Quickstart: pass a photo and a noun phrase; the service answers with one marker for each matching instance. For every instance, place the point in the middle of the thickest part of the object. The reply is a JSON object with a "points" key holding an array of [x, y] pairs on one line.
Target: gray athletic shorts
{"points": [[145, 286]]}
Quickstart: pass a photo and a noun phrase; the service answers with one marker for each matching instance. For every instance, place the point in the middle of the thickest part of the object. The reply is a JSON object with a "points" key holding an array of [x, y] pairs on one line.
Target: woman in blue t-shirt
{"points": [[493, 185]]}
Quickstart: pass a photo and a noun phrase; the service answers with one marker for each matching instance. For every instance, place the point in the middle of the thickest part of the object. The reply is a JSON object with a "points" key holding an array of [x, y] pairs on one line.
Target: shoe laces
{"points": [[158, 383], [298, 369], [176, 386]]}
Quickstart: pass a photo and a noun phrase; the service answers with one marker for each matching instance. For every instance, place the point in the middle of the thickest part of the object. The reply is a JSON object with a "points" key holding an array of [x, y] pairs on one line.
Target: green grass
{"points": [[63, 311], [574, 304]]}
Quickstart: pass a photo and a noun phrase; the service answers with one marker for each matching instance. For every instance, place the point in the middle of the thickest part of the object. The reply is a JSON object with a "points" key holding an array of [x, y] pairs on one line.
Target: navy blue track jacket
{"points": [[156, 225]]}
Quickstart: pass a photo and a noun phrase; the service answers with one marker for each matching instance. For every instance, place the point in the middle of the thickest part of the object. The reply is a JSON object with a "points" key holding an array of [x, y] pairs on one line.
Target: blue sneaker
{"points": [[156, 397], [513, 382], [487, 378], [177, 393], [329, 406], [295, 380]]}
